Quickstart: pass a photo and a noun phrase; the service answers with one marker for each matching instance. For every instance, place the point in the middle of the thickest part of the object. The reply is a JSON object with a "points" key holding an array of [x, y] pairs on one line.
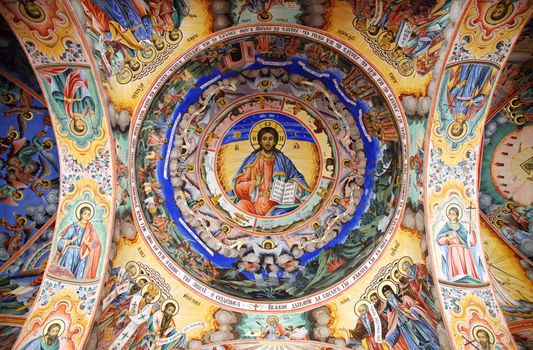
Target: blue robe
{"points": [[150, 337], [469, 90], [39, 344], [70, 255], [124, 13], [417, 333]]}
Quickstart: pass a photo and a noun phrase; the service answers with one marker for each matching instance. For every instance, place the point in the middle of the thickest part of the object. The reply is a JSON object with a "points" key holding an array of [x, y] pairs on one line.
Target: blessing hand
{"points": [[259, 179]]}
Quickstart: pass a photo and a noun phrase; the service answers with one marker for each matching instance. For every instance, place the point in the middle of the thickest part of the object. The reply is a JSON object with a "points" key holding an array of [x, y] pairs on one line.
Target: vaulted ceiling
{"points": [[266, 174]]}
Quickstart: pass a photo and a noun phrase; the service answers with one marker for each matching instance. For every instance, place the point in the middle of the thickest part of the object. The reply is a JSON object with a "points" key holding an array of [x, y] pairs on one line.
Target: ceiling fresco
{"points": [[270, 180], [505, 197], [225, 174], [29, 168], [13, 61]]}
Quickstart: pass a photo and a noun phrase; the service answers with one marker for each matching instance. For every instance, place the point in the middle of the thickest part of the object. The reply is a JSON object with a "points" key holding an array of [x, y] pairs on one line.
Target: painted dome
{"points": [[269, 167]]}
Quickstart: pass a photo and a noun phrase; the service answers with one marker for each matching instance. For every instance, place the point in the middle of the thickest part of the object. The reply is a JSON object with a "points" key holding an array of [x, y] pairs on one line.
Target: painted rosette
{"points": [[270, 168]]}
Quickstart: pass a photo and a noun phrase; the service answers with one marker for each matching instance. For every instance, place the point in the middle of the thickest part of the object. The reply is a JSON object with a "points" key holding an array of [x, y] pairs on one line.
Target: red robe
{"points": [[244, 187]]}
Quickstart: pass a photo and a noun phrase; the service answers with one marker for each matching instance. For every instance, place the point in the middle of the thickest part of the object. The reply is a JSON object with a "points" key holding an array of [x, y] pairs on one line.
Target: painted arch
{"points": [[266, 174]]}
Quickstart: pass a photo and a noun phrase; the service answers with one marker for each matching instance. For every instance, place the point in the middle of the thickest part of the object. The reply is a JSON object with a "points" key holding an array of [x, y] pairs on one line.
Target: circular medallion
{"points": [[271, 175], [270, 168], [511, 166]]}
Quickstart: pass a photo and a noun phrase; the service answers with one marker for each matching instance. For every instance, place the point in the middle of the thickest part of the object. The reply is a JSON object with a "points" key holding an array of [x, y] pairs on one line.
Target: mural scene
{"points": [[266, 174], [239, 188]]}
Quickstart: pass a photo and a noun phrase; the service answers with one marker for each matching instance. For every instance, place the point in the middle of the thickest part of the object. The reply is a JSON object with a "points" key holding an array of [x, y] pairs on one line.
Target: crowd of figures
{"points": [[407, 35], [132, 33], [397, 311], [28, 168], [139, 313]]}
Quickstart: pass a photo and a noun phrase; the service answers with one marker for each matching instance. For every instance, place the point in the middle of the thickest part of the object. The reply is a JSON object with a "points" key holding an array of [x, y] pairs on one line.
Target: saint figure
{"points": [[365, 328], [274, 330], [162, 328], [407, 319], [78, 247], [485, 339], [458, 261], [48, 341]]}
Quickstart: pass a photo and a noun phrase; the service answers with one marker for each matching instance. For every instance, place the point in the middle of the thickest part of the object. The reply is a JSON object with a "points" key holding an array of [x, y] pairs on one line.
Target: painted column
{"points": [[483, 40], [70, 291]]}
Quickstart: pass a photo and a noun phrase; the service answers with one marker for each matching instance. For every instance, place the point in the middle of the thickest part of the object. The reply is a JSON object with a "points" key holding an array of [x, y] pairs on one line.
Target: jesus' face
{"points": [[268, 142]]}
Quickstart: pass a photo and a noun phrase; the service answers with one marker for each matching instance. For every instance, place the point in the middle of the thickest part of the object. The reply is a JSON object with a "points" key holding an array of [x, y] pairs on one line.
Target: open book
{"points": [[283, 192]]}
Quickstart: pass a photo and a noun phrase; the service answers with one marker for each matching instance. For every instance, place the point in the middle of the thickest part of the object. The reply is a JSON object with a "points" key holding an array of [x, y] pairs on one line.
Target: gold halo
{"points": [[84, 205], [408, 72], [399, 58], [370, 34], [489, 332], [358, 304], [363, 28], [22, 219], [61, 324], [386, 283], [490, 11], [142, 278], [272, 318], [394, 269], [268, 241], [372, 292], [135, 70], [147, 54], [74, 131], [48, 144], [282, 135], [393, 46], [264, 19], [455, 205], [346, 163], [401, 262], [39, 19], [164, 45], [461, 135], [133, 263], [8, 98], [171, 301], [13, 134], [173, 41], [145, 289], [18, 195], [125, 75], [199, 130], [27, 115], [264, 84]]}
